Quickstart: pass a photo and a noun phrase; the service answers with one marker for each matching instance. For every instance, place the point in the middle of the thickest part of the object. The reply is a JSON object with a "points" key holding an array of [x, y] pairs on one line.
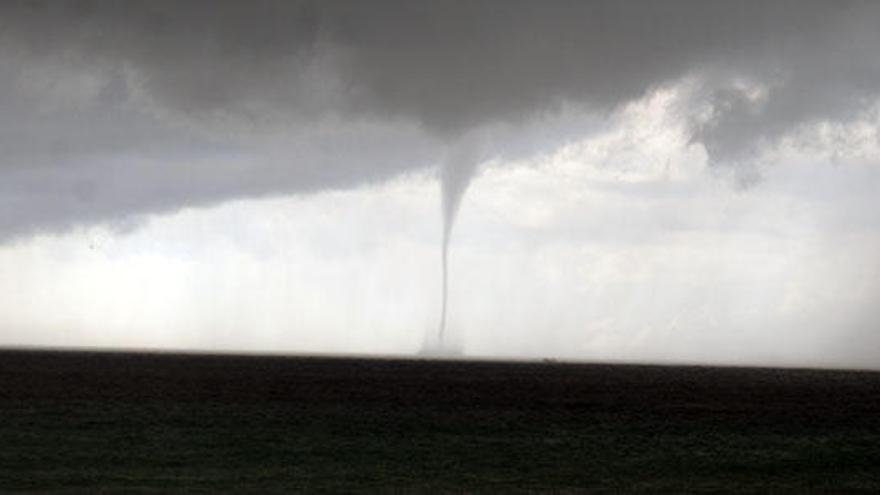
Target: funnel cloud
{"points": [[458, 168]]}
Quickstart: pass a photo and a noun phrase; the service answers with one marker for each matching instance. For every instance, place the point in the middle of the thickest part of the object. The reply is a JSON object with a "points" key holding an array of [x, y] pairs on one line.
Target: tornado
{"points": [[455, 176]]}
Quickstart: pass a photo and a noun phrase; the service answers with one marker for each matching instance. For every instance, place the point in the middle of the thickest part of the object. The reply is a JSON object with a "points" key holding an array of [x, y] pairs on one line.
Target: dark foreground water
{"points": [[126, 422]]}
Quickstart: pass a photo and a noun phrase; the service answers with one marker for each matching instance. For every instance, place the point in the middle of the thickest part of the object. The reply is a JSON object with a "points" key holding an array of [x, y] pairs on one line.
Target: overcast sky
{"points": [[679, 181]]}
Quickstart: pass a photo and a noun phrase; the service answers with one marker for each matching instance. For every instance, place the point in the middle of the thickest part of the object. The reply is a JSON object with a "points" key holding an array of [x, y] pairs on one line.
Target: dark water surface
{"points": [[123, 422]]}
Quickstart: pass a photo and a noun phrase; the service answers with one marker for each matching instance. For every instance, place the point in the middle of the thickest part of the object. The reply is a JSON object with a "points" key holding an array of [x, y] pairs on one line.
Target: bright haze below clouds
{"points": [[639, 181]]}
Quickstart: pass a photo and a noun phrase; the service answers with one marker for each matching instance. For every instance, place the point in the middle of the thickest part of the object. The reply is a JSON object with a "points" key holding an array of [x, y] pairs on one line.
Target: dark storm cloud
{"points": [[112, 108]]}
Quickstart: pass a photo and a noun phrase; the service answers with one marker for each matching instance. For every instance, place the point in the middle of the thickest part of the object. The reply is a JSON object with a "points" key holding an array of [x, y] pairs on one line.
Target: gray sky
{"points": [[665, 181]]}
